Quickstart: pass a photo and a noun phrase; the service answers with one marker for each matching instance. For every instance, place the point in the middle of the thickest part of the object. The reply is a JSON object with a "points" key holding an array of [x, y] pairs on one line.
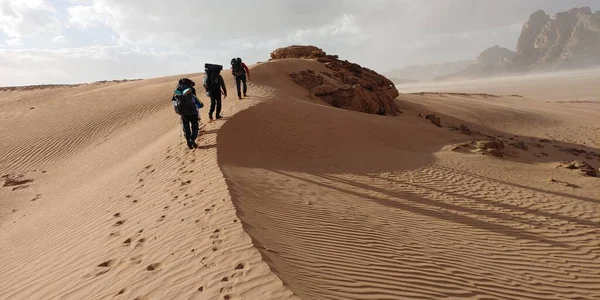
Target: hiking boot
{"points": [[245, 95], [219, 117], [210, 117], [190, 144]]}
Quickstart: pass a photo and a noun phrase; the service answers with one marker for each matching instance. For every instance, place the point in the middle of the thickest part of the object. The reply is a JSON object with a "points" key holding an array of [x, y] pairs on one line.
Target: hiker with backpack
{"points": [[214, 84], [239, 71], [186, 105]]}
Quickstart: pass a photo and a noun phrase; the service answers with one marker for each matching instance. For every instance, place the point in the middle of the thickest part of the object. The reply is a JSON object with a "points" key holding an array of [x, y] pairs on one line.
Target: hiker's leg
{"points": [[212, 106], [194, 120], [186, 128], [245, 86], [218, 104], [237, 85]]}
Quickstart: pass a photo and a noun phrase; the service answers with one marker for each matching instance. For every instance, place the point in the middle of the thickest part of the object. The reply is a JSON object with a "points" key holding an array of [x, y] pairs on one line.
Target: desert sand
{"points": [[289, 198]]}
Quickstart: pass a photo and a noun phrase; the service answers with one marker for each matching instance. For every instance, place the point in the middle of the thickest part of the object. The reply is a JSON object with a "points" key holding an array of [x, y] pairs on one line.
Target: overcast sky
{"points": [[70, 41]]}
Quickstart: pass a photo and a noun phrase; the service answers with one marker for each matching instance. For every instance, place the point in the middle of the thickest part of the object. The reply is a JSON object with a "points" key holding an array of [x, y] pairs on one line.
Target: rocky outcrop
{"points": [[348, 85], [308, 79], [581, 167], [490, 146], [486, 146], [552, 180], [434, 119], [462, 129], [296, 51]]}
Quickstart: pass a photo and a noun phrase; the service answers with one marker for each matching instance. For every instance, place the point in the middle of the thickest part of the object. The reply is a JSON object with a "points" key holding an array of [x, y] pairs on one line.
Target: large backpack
{"points": [[183, 100], [211, 77], [236, 65], [186, 81]]}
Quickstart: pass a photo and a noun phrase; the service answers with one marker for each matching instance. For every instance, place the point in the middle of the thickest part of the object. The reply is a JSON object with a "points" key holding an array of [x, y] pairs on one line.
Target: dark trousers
{"points": [[238, 81], [190, 127], [215, 101]]}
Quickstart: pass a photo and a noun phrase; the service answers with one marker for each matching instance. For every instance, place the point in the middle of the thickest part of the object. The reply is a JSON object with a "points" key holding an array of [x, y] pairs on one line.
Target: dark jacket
{"points": [[221, 85], [244, 67]]}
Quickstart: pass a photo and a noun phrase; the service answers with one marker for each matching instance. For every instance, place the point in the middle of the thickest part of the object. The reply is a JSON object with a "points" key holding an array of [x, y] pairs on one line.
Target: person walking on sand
{"points": [[186, 105], [240, 71], [214, 86]]}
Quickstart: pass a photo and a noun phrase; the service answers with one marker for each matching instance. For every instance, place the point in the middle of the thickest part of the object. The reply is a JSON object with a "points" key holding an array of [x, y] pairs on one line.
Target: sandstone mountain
{"points": [[492, 61], [570, 40]]}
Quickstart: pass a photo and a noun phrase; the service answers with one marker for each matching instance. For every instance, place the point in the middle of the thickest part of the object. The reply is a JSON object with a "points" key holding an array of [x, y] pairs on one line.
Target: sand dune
{"points": [[118, 209], [289, 198], [351, 206]]}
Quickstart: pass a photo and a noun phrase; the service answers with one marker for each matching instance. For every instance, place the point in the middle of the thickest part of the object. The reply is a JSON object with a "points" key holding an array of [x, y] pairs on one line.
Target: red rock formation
{"points": [[308, 79], [348, 85], [296, 51]]}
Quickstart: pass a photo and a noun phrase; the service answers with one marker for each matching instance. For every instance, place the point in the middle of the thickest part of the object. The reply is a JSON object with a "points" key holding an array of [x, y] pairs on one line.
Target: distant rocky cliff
{"points": [[570, 40], [495, 60], [526, 49]]}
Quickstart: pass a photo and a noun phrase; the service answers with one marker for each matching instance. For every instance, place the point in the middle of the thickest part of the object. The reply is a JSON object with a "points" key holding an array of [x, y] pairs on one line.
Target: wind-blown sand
{"points": [[288, 198]]}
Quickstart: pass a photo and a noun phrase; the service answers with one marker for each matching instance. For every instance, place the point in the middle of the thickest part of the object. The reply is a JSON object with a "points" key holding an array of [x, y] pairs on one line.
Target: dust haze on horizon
{"points": [[593, 72], [523, 84], [78, 41]]}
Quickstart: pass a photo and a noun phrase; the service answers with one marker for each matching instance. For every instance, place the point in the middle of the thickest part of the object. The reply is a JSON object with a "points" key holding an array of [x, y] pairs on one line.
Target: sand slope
{"points": [[353, 206], [118, 208], [288, 198]]}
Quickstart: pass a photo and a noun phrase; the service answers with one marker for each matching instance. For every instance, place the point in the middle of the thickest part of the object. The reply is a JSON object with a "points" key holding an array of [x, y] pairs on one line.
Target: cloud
{"points": [[133, 38], [96, 14], [14, 42], [200, 25], [88, 64], [59, 39], [28, 18], [335, 24]]}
